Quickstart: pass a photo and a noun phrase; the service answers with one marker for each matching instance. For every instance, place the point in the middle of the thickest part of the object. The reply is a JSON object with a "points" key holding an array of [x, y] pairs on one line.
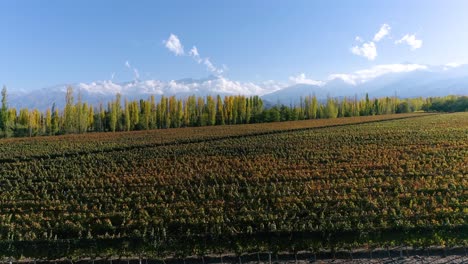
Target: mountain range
{"points": [[418, 81]]}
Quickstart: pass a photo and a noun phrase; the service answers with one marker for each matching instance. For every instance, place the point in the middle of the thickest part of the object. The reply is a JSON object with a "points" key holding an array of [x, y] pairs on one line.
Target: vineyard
{"points": [[342, 183]]}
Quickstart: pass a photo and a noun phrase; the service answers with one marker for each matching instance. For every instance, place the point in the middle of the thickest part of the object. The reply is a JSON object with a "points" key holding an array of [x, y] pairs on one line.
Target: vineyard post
{"points": [[258, 257], [269, 257]]}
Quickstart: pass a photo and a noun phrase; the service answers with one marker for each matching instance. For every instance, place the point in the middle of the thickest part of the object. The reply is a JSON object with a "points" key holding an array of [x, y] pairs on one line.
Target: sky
{"points": [[45, 43]]}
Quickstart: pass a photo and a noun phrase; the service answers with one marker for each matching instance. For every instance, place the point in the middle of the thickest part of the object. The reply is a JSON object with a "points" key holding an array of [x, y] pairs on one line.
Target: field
{"points": [[346, 183]]}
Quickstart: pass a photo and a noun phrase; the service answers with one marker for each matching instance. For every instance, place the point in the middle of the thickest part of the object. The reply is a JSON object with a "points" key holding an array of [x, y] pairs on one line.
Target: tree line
{"points": [[172, 112]]}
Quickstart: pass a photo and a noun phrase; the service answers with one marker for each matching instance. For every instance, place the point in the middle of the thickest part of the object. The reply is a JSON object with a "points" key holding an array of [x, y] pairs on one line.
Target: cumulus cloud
{"points": [[365, 75], [411, 40], [104, 87], [384, 31], [173, 44], [302, 79], [367, 50], [215, 85]]}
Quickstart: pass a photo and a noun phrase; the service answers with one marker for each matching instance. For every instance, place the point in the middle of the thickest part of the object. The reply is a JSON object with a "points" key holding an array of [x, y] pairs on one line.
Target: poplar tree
{"points": [[219, 111], [4, 116], [211, 108], [68, 112]]}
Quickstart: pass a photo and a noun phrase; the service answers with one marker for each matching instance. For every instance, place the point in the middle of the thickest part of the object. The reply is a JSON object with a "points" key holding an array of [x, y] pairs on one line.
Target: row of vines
{"points": [[397, 182]]}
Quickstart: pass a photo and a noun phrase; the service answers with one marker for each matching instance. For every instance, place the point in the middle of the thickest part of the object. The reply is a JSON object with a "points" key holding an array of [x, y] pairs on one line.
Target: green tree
{"points": [[5, 125], [331, 109], [211, 109], [219, 110], [68, 117], [127, 116], [54, 122]]}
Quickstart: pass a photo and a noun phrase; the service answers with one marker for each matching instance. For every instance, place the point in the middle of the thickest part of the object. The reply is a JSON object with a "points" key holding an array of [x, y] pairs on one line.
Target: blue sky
{"points": [[45, 43]]}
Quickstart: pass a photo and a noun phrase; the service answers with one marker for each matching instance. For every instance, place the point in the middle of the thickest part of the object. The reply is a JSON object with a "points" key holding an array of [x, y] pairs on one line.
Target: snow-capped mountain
{"points": [[403, 80], [424, 82], [104, 91]]}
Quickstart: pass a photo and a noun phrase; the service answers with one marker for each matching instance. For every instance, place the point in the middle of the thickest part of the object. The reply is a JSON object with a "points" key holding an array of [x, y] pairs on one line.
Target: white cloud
{"points": [[452, 65], [104, 87], [194, 52], [174, 45], [347, 78], [411, 41], [302, 79], [365, 75], [213, 69], [384, 31], [137, 74], [216, 85], [135, 70], [367, 50]]}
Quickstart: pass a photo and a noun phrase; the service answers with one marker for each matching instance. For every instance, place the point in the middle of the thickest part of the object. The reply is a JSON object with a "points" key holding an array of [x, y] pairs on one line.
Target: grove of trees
{"points": [[173, 112]]}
